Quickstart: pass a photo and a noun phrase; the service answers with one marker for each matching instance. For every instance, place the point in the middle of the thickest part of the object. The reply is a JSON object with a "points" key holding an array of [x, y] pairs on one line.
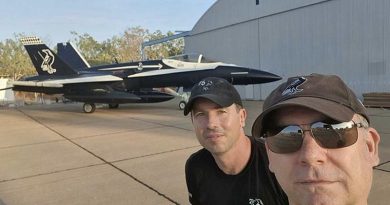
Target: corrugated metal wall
{"points": [[349, 38]]}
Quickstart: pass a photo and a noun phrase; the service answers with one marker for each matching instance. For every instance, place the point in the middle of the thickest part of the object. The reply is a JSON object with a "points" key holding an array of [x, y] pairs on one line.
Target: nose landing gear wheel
{"points": [[182, 105], [89, 107]]}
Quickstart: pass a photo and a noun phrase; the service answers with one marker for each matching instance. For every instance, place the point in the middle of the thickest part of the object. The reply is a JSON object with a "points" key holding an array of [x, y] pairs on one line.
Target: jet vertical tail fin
{"points": [[72, 56], [45, 61]]}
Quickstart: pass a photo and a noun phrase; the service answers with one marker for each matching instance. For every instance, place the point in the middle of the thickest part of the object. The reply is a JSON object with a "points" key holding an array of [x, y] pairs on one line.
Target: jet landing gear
{"points": [[89, 107], [184, 100], [182, 105]]}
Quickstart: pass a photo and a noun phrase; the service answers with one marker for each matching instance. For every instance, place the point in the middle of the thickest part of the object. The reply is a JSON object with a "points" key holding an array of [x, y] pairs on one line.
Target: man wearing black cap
{"points": [[319, 141], [231, 168]]}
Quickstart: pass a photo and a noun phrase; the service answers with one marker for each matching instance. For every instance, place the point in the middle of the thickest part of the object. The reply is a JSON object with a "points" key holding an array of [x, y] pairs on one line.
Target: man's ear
{"points": [[268, 153], [372, 142], [243, 116]]}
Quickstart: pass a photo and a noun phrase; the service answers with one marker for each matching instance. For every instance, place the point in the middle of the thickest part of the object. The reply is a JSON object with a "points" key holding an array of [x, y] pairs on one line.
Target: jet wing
{"points": [[167, 72], [58, 83], [7, 88]]}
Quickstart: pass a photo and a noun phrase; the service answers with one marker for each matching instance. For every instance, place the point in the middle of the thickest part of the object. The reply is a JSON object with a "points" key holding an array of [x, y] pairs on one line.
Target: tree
{"points": [[130, 43], [89, 47], [126, 47], [166, 49], [14, 61]]}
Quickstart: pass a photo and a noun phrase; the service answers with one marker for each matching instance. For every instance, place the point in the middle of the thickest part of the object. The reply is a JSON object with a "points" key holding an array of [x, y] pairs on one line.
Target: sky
{"points": [[53, 20]]}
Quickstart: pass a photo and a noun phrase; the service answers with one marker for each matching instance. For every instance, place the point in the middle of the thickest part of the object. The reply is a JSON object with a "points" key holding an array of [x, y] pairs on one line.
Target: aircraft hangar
{"points": [[350, 38]]}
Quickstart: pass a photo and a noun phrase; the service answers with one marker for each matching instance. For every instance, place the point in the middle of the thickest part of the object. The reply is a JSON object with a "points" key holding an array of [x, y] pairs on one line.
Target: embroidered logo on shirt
{"points": [[255, 202]]}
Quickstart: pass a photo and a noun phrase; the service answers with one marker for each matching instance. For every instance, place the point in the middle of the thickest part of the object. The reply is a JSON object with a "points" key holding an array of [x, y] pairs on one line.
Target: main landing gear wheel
{"points": [[182, 105], [89, 107], [113, 105]]}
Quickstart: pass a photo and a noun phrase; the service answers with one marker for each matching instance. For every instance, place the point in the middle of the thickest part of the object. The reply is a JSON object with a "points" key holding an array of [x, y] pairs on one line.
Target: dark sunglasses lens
{"points": [[288, 140], [335, 136]]}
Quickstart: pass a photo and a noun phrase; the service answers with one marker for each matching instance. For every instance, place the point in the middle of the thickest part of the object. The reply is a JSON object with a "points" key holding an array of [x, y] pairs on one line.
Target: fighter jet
{"points": [[118, 83]]}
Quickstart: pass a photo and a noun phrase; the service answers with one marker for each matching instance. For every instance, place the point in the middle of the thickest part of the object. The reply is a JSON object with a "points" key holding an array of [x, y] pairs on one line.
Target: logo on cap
{"points": [[205, 85], [293, 87]]}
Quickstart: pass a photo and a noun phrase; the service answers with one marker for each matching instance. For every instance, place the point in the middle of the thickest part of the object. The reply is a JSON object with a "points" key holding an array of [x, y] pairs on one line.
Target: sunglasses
{"points": [[288, 139]]}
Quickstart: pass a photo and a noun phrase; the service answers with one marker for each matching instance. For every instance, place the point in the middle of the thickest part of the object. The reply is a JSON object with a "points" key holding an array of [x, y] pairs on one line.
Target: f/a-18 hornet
{"points": [[118, 83]]}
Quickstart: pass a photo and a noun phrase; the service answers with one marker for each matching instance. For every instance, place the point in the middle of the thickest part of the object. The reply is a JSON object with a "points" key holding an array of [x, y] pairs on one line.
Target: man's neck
{"points": [[235, 160]]}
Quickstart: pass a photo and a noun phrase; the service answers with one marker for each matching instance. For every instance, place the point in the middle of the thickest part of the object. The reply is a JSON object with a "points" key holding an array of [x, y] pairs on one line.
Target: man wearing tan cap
{"points": [[319, 141], [232, 168]]}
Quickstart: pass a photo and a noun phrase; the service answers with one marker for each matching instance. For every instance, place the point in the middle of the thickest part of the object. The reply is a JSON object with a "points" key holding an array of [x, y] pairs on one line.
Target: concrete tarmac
{"points": [[55, 154]]}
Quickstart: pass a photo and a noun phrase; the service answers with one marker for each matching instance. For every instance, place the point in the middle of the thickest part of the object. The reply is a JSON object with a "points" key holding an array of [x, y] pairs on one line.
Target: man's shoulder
{"points": [[201, 155], [200, 160]]}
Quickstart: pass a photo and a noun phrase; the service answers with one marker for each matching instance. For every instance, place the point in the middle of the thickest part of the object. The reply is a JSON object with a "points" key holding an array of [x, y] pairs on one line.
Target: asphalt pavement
{"points": [[56, 154]]}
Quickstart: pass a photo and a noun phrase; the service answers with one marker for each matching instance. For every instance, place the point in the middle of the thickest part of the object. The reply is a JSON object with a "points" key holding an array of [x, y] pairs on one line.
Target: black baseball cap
{"points": [[218, 90], [327, 94]]}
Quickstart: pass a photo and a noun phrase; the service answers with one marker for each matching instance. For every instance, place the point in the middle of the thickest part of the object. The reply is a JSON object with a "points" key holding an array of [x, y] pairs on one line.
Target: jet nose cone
{"points": [[263, 76], [247, 76]]}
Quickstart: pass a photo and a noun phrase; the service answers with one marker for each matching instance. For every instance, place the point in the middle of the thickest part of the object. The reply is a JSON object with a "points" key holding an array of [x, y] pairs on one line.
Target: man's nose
{"points": [[212, 120], [311, 152]]}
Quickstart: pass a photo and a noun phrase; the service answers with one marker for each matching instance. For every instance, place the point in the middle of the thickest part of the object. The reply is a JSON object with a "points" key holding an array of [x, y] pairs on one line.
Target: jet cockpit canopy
{"points": [[192, 58]]}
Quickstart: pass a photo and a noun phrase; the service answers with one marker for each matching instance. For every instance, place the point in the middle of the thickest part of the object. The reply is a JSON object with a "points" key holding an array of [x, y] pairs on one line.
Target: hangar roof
{"points": [[224, 13]]}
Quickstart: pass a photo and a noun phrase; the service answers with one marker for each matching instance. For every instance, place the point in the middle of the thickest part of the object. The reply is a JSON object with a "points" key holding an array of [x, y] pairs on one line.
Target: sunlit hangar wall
{"points": [[350, 38]]}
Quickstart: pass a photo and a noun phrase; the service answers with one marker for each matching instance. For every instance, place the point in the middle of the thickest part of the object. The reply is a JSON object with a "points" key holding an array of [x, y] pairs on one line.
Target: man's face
{"points": [[316, 175], [217, 128]]}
